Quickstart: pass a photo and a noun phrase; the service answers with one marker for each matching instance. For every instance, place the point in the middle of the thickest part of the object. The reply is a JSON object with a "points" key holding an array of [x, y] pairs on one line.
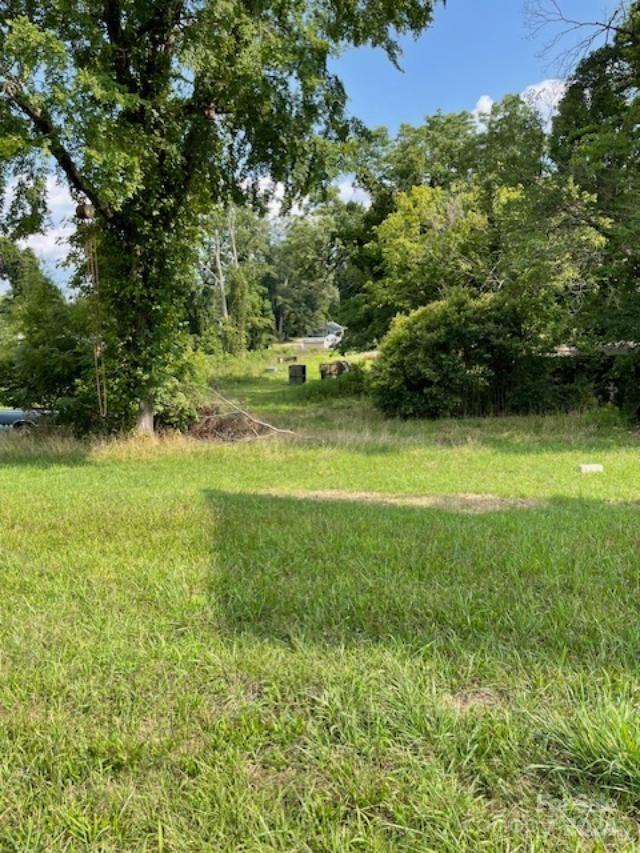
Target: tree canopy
{"points": [[180, 124], [155, 112]]}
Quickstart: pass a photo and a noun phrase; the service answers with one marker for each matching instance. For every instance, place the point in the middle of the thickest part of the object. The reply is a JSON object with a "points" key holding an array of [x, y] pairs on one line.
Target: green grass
{"points": [[196, 654]]}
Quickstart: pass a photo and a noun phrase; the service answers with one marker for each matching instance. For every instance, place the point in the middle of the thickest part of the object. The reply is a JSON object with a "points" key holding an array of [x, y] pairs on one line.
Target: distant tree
{"points": [[230, 308], [45, 346], [548, 242], [302, 284], [511, 146], [439, 178], [19, 268], [437, 239], [438, 153], [595, 141]]}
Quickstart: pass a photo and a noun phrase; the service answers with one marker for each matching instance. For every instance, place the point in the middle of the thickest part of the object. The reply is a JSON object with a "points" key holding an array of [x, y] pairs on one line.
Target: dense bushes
{"points": [[454, 357], [479, 356], [620, 382], [45, 348], [47, 357], [473, 356]]}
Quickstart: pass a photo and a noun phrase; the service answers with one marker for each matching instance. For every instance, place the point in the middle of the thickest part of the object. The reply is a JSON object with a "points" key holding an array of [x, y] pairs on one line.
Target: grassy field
{"points": [[379, 636]]}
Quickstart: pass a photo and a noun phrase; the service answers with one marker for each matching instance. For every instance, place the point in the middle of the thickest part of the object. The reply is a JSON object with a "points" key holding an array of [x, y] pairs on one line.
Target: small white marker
{"points": [[592, 469]]}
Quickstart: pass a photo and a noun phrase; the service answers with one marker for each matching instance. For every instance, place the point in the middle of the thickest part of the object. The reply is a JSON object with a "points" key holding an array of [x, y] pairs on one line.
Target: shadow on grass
{"points": [[560, 581]]}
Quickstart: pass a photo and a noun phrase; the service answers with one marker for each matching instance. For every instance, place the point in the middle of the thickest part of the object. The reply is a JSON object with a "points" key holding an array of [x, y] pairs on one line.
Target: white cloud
{"points": [[348, 191], [482, 107], [52, 246], [545, 98]]}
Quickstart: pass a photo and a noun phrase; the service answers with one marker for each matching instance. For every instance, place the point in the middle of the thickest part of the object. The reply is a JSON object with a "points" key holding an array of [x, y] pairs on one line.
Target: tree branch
{"points": [[112, 16], [43, 123], [543, 14], [160, 29]]}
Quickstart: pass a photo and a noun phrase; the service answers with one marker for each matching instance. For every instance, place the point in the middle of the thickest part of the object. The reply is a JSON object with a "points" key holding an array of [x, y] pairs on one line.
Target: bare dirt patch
{"points": [[474, 698], [465, 503], [259, 776]]}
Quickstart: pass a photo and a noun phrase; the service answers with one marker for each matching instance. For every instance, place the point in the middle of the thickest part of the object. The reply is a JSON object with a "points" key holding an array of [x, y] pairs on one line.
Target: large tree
{"points": [[431, 224], [154, 111], [596, 140]]}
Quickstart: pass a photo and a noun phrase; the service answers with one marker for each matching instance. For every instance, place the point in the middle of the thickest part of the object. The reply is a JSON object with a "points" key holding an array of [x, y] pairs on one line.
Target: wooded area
{"points": [[510, 237]]}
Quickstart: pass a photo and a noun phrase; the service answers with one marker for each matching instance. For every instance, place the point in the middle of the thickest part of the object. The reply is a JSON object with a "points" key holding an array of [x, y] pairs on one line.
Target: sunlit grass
{"points": [[193, 656]]}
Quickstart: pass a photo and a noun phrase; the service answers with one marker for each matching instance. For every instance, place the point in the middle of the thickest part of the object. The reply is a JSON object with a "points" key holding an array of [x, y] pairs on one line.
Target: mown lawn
{"points": [[198, 653]]}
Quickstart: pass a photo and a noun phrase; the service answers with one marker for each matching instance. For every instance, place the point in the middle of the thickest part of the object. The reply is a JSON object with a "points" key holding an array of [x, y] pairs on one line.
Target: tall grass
{"points": [[598, 745]]}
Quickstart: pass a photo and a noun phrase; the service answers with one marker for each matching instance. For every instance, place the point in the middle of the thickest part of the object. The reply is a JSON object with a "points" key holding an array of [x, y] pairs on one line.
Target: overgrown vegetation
{"points": [[158, 115], [537, 222], [380, 633]]}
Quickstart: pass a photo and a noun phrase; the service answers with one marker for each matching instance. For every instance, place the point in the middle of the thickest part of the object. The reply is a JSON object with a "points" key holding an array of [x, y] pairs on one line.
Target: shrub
{"points": [[184, 391], [542, 383], [485, 355], [45, 348], [451, 358], [620, 382]]}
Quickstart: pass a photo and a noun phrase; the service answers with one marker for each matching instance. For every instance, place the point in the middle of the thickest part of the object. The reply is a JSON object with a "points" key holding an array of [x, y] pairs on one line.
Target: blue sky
{"points": [[474, 48]]}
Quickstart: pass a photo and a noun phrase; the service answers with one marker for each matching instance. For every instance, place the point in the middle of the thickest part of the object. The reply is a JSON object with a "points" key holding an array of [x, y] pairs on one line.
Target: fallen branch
{"points": [[251, 417]]}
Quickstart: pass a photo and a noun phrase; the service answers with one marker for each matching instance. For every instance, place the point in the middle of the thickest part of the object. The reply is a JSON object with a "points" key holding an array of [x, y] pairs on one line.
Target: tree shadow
{"points": [[559, 580]]}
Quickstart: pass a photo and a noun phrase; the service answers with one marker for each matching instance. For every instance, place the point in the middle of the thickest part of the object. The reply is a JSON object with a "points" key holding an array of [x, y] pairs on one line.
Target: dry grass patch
{"points": [[465, 503], [472, 699]]}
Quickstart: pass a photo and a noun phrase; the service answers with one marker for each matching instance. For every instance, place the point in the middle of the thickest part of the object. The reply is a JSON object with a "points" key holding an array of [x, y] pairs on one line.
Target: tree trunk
{"points": [[221, 278], [144, 419]]}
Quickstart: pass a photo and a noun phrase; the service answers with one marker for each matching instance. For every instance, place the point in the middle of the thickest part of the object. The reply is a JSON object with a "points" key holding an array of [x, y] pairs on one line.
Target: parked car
{"points": [[19, 419], [328, 337]]}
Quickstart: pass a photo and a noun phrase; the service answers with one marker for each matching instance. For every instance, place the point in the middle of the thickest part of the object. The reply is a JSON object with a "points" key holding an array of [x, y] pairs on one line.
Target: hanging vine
{"points": [[85, 213]]}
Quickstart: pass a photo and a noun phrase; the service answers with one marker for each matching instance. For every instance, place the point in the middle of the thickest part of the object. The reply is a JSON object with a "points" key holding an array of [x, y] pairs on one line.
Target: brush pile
{"points": [[215, 424]]}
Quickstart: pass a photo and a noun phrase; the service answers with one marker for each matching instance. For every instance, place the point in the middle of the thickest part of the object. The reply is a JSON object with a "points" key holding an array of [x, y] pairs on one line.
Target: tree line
{"points": [[490, 238]]}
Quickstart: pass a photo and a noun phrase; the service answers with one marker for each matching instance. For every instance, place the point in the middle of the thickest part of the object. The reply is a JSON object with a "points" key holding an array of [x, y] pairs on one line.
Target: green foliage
{"points": [[435, 240], [302, 284], [184, 392], [475, 207], [619, 382], [536, 246], [451, 358], [496, 254], [512, 145], [485, 355], [438, 153], [548, 241], [353, 383], [230, 309], [595, 141], [45, 349], [158, 112]]}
